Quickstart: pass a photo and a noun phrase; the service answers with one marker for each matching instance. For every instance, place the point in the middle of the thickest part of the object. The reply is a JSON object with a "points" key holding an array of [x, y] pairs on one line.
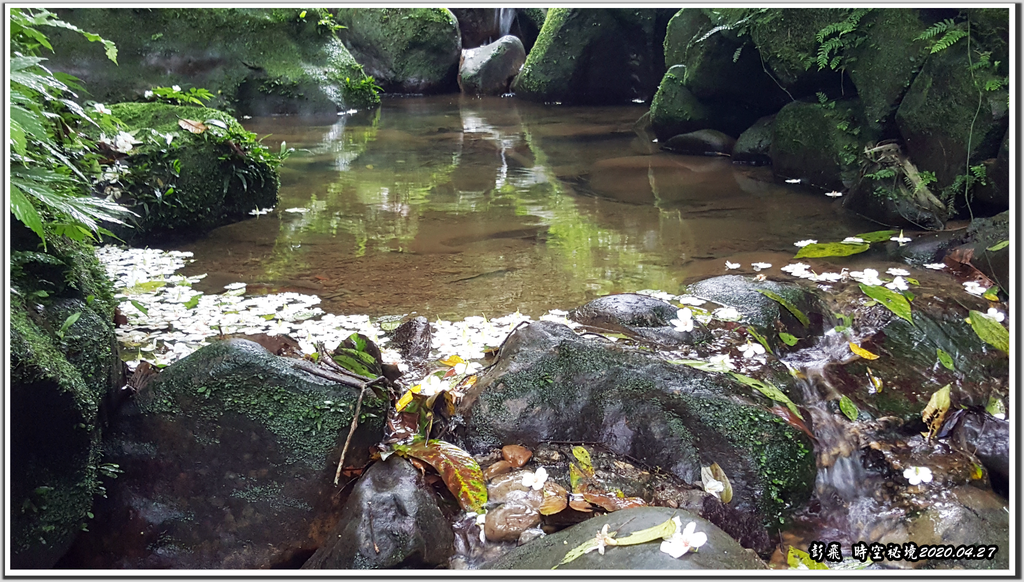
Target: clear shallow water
{"points": [[452, 206]]}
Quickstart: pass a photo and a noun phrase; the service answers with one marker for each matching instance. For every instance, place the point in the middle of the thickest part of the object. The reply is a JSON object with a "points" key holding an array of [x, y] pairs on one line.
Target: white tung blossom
{"points": [[935, 266], [803, 243], [726, 314], [900, 272], [683, 321], [918, 475], [759, 266], [729, 265], [995, 315], [751, 350], [679, 543], [536, 479]]}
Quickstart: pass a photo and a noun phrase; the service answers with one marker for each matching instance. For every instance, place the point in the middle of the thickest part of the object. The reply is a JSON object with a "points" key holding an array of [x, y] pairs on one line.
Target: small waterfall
{"points": [[505, 17]]}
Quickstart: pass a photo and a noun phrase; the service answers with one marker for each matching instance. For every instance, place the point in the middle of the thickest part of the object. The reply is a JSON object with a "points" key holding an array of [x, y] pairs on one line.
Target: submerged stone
{"points": [[638, 316]]}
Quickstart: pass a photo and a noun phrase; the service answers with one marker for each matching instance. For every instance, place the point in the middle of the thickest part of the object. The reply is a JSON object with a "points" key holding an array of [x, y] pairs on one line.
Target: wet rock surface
{"points": [[228, 458], [391, 520], [547, 379], [637, 316], [720, 551], [489, 69]]}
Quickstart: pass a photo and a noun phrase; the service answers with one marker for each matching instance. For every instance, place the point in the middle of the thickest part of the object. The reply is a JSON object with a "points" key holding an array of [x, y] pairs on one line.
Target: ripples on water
{"points": [[452, 206]]}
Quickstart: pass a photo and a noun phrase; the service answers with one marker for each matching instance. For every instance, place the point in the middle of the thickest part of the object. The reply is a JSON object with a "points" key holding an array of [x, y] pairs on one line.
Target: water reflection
{"points": [[455, 206]]}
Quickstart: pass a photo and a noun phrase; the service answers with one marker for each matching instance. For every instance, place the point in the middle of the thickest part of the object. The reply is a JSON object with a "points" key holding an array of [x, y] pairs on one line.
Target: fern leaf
{"points": [[948, 40], [736, 55], [936, 29]]}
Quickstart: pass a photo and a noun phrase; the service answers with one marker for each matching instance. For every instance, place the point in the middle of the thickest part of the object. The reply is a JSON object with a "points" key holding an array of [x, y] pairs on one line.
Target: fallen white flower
{"points": [[898, 284], [680, 543], [918, 475], [793, 181], [995, 315], [833, 194], [853, 240], [297, 210], [726, 314], [602, 539], [176, 88], [683, 321], [900, 272], [751, 349], [759, 266], [714, 487], [536, 480], [691, 300], [935, 266], [729, 265], [901, 239], [974, 288], [803, 243], [101, 108]]}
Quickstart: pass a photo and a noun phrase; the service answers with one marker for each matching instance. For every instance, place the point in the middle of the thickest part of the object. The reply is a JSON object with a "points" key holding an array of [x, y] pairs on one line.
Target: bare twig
{"points": [[351, 431]]}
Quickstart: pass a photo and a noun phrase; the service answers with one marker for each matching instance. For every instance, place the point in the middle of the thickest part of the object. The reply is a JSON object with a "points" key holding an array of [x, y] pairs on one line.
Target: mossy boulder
{"points": [[819, 143], [720, 552], [785, 39], [229, 458], [215, 183], [640, 317], [255, 61], [943, 125], [592, 56], [884, 63], [719, 70], [407, 50], [62, 370], [550, 385], [675, 110]]}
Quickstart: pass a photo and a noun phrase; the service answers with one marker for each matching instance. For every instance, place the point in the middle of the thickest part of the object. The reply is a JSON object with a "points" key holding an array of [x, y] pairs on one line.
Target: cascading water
{"points": [[505, 18]]}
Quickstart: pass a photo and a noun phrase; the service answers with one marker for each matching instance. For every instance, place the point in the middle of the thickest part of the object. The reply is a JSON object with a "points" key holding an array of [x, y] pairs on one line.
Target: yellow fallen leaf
{"points": [[451, 361], [862, 352], [875, 380], [935, 413], [406, 398]]}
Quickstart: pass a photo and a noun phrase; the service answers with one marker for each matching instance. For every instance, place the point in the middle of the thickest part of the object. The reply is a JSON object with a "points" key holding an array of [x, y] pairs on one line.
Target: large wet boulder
{"points": [[489, 69], [391, 520], [551, 385], [407, 50], [748, 296], [940, 119], [819, 143], [255, 61], [720, 552], [64, 368], [994, 194], [883, 65], [229, 458], [719, 70], [481, 26], [908, 352], [703, 142], [639, 317], [194, 183], [591, 55], [984, 234]]}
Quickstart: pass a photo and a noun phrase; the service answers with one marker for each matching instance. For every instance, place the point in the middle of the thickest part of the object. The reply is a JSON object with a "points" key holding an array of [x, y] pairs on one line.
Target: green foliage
{"points": [[950, 30], [837, 249], [945, 359], [788, 339], [789, 306], [848, 407], [325, 20], [999, 246], [364, 90], [459, 471], [51, 160], [836, 37], [68, 323], [174, 95], [891, 300], [990, 331], [769, 390]]}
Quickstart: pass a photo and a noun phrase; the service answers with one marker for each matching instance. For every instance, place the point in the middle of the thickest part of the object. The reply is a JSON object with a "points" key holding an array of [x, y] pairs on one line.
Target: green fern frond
{"points": [[948, 40], [736, 55], [936, 29]]}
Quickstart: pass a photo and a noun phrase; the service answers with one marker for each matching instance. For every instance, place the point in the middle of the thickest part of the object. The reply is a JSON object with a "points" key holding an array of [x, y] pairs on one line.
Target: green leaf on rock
{"points": [[999, 246], [795, 557], [760, 339], [769, 390], [990, 331], [891, 300], [351, 364], [789, 306], [995, 406], [788, 339], [459, 471], [192, 303], [945, 359], [583, 457], [819, 250], [848, 407], [877, 236], [139, 306]]}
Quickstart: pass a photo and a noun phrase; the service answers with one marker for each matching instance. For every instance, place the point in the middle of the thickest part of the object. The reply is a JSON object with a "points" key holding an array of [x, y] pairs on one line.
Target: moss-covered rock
{"points": [[229, 457], [255, 61], [786, 40], [549, 385], [720, 552], [195, 183], [721, 71], [588, 55], [640, 317], [407, 50], [884, 63], [819, 143], [675, 110], [59, 379], [943, 125], [527, 24]]}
